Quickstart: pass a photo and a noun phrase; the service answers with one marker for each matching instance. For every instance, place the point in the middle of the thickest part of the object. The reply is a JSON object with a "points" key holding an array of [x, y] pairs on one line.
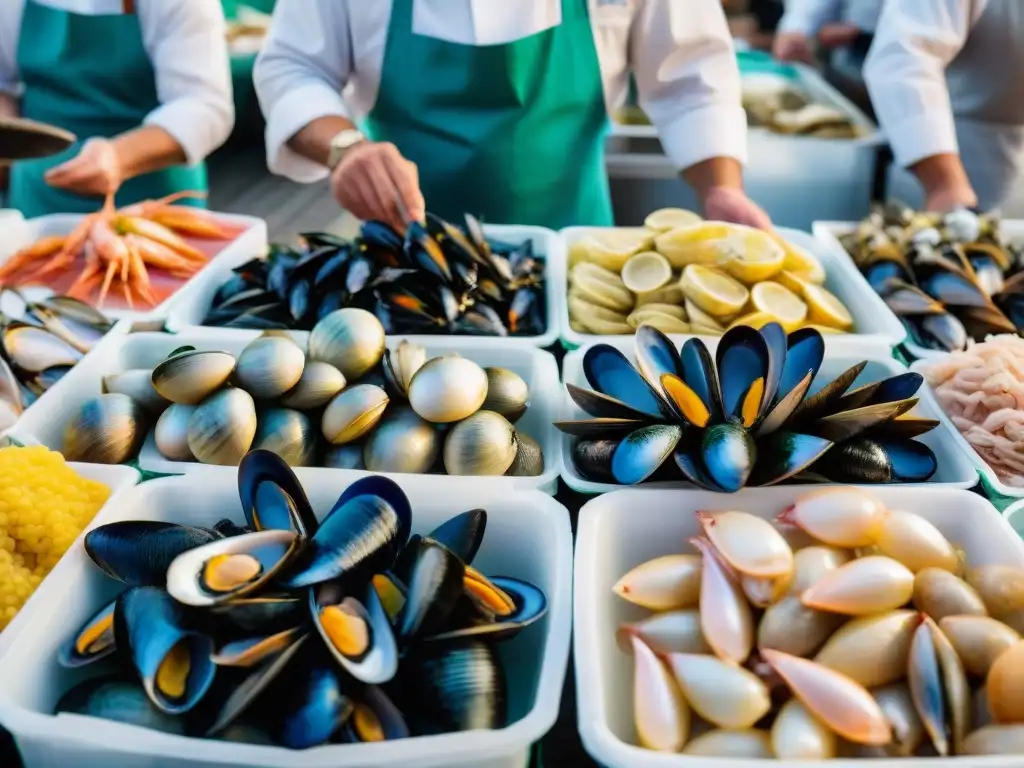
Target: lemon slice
{"points": [[717, 294], [757, 258], [663, 322], [668, 294], [800, 261], [695, 244], [699, 318], [610, 248], [674, 310], [754, 320], [779, 302], [602, 287], [670, 218], [646, 271], [826, 309], [795, 282], [595, 318]]}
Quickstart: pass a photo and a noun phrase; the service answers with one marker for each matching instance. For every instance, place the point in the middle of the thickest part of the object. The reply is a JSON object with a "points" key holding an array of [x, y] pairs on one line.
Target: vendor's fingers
{"points": [[405, 178], [385, 196], [72, 167]]}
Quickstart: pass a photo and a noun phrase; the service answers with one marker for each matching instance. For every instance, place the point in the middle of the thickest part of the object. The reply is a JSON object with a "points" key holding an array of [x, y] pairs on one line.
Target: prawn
{"points": [[43, 248], [158, 234]]}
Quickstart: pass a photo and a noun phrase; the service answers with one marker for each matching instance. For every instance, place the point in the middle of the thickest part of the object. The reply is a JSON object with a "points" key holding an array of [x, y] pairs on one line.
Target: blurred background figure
{"points": [[947, 81], [144, 84]]}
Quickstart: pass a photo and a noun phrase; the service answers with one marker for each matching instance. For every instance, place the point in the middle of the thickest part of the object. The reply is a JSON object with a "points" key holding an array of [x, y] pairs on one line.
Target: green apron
{"points": [[513, 133], [90, 75]]}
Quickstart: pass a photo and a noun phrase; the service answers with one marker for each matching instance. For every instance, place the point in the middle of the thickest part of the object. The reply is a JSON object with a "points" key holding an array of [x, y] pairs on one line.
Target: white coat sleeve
{"points": [[299, 76], [687, 79], [905, 74], [188, 48], [808, 16], [10, 31]]}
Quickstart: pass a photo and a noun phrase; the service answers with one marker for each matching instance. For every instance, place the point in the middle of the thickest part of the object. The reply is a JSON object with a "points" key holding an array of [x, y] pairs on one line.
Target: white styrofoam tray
{"points": [[119, 480], [876, 328], [528, 536], [954, 468], [189, 311], [620, 530], [145, 350], [22, 232]]}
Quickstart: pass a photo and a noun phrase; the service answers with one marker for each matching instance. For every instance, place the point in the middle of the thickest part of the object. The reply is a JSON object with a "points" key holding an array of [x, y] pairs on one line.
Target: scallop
{"points": [[353, 412], [507, 393], [269, 366], [402, 442], [448, 389], [352, 340], [482, 444], [317, 386], [222, 428], [107, 429], [171, 433], [190, 376]]}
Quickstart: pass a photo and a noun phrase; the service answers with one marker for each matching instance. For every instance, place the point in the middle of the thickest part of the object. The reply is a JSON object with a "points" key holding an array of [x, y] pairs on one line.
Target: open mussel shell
{"points": [[402, 442], [642, 452], [259, 614], [940, 331], [272, 496], [94, 641], [33, 349], [269, 366], [287, 433], [482, 444], [513, 603], [610, 373], [868, 460], [139, 552], [507, 393], [361, 535], [374, 718], [353, 412], [230, 568], [435, 584], [106, 429], [120, 699], [317, 386], [447, 389], [252, 651], [529, 460], [357, 632], [171, 432], [462, 534], [352, 340], [784, 454], [190, 376], [173, 662], [656, 355], [593, 459], [222, 428], [137, 383], [729, 455]]}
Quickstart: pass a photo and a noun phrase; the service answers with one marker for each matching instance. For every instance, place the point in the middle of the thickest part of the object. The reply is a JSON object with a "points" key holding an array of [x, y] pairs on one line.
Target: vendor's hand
{"points": [[946, 199], [792, 46], [374, 181], [838, 35], [733, 205], [96, 170]]}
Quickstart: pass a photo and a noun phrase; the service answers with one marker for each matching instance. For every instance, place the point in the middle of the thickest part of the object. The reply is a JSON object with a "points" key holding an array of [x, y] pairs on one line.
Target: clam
{"points": [[288, 433], [529, 460], [352, 340], [401, 365], [507, 393], [402, 442], [189, 376], [139, 552], [939, 593], [94, 641], [269, 366], [222, 428], [348, 456], [357, 632], [107, 429], [353, 412], [319, 383], [119, 699], [448, 389], [33, 349], [137, 383], [171, 432], [482, 444]]}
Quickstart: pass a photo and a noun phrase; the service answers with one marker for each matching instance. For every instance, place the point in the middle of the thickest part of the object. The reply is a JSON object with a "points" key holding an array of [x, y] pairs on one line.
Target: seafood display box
{"points": [[612, 538], [876, 329], [22, 232], [188, 310], [144, 350], [528, 537], [828, 233], [954, 467]]}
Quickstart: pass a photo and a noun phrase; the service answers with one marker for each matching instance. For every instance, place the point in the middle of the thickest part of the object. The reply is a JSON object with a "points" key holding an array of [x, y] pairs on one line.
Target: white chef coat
{"points": [[680, 53], [809, 16], [946, 76], [186, 42]]}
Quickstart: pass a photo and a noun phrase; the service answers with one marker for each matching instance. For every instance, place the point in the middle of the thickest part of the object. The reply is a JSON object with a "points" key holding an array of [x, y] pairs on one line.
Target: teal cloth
{"points": [[92, 76], [513, 132]]}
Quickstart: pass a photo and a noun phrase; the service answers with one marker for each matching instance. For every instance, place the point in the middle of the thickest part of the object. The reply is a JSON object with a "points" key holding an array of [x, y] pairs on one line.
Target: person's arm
{"points": [[905, 75], [688, 83], [800, 25]]}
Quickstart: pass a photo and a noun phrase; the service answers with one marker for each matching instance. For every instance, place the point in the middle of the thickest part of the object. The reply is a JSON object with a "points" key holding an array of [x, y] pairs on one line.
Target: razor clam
{"points": [[269, 366], [189, 376], [107, 429]]}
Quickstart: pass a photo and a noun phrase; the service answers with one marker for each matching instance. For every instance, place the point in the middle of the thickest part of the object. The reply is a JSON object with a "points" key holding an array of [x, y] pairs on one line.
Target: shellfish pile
{"points": [[294, 632], [948, 278], [349, 403], [846, 629], [684, 275], [744, 418], [436, 279]]}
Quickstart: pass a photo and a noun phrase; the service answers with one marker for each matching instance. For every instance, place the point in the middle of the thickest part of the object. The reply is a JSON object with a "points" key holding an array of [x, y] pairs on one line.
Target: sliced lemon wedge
{"points": [[665, 323], [668, 294], [695, 244], [826, 309], [610, 248], [754, 320], [601, 286], [757, 257], [716, 293], [795, 282], [670, 218], [595, 318], [773, 299], [800, 261], [700, 319], [646, 271]]}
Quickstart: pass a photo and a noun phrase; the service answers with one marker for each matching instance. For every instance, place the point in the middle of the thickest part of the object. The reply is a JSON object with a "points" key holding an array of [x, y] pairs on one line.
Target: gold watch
{"points": [[341, 144]]}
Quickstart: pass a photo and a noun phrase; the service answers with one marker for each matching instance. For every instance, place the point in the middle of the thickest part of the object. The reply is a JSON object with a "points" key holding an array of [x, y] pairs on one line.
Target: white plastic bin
{"points": [[954, 467], [119, 480], [874, 325], [21, 232], [145, 350], [620, 530], [528, 536], [188, 311]]}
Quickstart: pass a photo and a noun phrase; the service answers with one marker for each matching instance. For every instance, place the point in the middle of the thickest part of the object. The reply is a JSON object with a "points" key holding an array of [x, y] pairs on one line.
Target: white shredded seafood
{"points": [[982, 391]]}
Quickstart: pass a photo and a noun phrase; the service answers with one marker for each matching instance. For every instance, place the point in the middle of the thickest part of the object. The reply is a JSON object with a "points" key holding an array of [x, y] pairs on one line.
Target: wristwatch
{"points": [[341, 144]]}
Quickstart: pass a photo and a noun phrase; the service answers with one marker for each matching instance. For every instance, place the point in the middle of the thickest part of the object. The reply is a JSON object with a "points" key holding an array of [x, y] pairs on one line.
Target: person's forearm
{"points": [[714, 172], [941, 172], [9, 106], [147, 149], [314, 141]]}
